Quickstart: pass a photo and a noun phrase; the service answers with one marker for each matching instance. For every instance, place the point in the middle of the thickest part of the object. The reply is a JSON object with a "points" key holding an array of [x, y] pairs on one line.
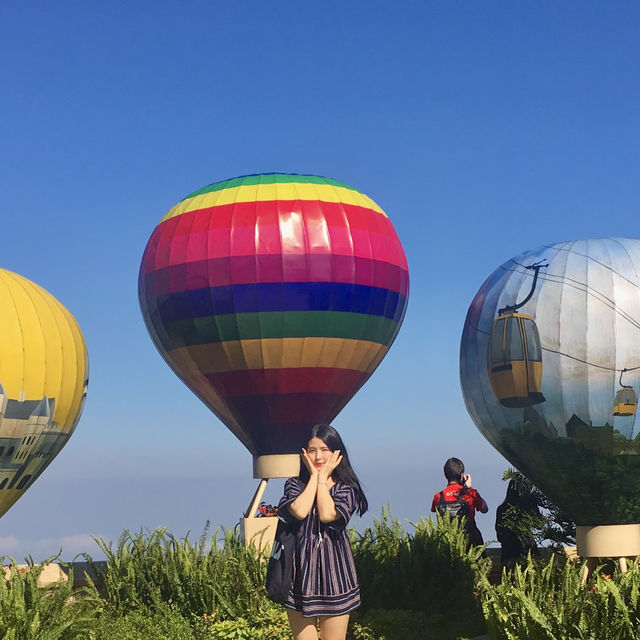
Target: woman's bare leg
{"points": [[334, 627], [301, 627]]}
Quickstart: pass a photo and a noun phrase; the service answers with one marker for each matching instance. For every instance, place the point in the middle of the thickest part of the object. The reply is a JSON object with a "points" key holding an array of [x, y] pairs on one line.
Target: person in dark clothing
{"points": [[459, 489], [514, 522]]}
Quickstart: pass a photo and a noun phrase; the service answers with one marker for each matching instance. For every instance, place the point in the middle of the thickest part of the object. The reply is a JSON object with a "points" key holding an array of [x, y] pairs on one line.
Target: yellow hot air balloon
{"points": [[44, 372]]}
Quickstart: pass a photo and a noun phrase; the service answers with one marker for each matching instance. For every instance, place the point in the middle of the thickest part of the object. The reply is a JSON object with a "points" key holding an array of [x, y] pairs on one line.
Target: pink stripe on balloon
{"points": [[241, 242], [277, 268], [268, 227]]}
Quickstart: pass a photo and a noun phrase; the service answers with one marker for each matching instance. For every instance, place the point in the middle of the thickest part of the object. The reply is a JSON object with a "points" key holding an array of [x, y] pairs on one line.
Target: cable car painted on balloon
{"points": [[626, 400], [515, 355], [515, 361]]}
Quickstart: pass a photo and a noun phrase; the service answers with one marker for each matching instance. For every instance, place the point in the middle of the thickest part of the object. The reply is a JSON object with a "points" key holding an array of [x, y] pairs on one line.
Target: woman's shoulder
{"points": [[342, 487], [294, 482]]}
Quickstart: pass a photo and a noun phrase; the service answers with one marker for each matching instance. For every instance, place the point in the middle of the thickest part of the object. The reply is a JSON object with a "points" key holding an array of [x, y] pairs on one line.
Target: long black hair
{"points": [[344, 471]]}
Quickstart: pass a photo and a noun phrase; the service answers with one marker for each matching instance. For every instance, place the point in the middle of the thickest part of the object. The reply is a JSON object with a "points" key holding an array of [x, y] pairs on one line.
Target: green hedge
{"points": [[431, 570], [421, 583]]}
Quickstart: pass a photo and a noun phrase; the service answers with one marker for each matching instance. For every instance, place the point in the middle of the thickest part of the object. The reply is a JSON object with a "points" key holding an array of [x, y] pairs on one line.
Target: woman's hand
{"points": [[313, 470], [329, 466]]}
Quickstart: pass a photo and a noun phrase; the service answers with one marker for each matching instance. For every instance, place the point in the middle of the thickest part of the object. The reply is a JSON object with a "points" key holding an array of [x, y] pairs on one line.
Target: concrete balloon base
{"points": [[49, 574], [282, 465], [260, 532], [607, 541]]}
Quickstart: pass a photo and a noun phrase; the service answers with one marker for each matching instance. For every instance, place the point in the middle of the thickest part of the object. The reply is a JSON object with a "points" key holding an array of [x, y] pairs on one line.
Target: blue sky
{"points": [[482, 129]]}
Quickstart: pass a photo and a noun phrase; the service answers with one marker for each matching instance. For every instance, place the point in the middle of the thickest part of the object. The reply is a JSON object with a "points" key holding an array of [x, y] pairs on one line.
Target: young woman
{"points": [[323, 497]]}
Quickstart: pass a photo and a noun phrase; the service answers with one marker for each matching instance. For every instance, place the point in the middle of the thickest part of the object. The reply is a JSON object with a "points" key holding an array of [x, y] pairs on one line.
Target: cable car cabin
{"points": [[515, 361], [626, 402]]}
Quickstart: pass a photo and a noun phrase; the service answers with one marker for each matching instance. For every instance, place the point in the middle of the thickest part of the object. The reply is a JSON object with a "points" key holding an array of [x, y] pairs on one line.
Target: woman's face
{"points": [[318, 452]]}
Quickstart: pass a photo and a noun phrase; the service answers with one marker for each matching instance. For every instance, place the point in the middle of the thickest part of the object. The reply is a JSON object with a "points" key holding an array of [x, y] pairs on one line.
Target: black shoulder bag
{"points": [[280, 569]]}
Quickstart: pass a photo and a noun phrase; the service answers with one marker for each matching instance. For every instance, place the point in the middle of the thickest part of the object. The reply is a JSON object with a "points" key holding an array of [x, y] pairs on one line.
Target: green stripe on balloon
{"points": [[269, 178], [279, 324]]}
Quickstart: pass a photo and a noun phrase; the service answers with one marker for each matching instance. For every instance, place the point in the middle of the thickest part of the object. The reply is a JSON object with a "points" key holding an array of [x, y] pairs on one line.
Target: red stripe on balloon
{"points": [[276, 268], [251, 228], [288, 381], [263, 411]]}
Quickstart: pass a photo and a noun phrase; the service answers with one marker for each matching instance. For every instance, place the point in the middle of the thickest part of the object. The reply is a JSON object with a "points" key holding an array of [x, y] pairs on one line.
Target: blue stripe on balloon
{"points": [[281, 296]]}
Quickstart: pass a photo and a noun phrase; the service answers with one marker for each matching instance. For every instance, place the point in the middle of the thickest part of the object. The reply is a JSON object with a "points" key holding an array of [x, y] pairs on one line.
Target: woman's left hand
{"points": [[329, 466]]}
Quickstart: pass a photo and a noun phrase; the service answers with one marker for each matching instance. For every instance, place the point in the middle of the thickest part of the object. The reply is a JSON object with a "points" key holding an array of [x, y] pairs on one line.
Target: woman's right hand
{"points": [[313, 470]]}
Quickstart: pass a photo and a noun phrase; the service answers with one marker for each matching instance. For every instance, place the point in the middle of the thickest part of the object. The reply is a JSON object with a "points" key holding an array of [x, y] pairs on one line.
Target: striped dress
{"points": [[324, 575]]}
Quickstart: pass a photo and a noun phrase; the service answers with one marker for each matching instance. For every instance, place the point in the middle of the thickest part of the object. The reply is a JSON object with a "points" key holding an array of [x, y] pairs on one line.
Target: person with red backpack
{"points": [[459, 499]]}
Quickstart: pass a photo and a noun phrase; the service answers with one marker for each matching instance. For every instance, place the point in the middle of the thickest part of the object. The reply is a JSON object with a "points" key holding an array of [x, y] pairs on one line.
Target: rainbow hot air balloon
{"points": [[274, 297], [43, 382], [550, 366]]}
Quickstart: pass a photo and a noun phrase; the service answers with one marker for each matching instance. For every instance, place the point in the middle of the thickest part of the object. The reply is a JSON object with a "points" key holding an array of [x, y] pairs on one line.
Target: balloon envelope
{"points": [[586, 306], [274, 297], [43, 382]]}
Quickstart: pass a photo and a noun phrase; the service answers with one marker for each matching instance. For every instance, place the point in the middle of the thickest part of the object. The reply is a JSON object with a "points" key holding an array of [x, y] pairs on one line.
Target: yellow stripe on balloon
{"points": [[274, 191], [42, 351], [43, 368], [278, 353], [11, 349], [82, 367]]}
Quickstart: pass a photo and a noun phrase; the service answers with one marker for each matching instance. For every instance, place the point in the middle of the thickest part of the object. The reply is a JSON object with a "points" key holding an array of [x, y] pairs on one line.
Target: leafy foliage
{"points": [[159, 587], [149, 570], [544, 521], [166, 623], [382, 624], [432, 570], [273, 625], [30, 612], [549, 602]]}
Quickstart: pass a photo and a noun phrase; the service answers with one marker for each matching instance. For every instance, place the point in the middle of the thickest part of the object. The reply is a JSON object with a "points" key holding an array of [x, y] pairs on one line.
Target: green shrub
{"points": [[149, 570], [167, 623], [547, 601], [30, 612], [273, 625], [431, 571], [423, 584], [164, 623], [380, 624]]}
